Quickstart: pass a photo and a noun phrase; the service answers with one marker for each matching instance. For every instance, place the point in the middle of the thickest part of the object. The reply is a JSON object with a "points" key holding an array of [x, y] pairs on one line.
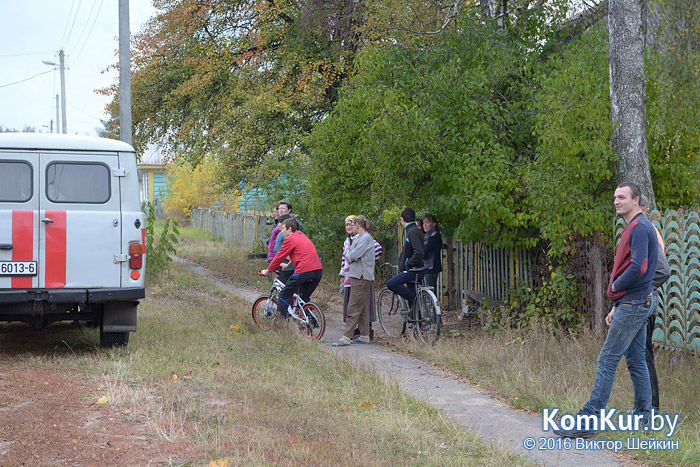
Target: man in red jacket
{"points": [[307, 265]]}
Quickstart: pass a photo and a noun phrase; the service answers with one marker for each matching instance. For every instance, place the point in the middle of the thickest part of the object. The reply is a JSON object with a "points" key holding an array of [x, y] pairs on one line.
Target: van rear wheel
{"points": [[114, 339]]}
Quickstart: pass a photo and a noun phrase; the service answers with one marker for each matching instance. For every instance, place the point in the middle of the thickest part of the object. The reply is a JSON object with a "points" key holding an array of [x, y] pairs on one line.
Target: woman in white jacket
{"points": [[360, 255]]}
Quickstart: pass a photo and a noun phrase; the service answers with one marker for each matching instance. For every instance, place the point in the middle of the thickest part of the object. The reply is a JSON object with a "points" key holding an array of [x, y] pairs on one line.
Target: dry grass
{"points": [[529, 369], [272, 398], [532, 369], [259, 398]]}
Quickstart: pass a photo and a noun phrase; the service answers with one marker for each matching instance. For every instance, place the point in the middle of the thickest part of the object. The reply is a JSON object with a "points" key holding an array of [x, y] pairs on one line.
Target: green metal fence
{"points": [[678, 321]]}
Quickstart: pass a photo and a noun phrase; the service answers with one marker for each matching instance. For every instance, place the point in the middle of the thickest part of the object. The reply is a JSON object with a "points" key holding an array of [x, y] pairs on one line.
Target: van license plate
{"points": [[17, 268]]}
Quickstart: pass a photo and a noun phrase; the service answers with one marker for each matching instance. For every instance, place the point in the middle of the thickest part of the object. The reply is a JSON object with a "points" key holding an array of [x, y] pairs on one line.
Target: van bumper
{"points": [[72, 295]]}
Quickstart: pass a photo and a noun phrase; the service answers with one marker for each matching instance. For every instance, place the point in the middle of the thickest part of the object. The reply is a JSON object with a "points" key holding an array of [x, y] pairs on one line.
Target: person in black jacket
{"points": [[432, 254], [403, 283]]}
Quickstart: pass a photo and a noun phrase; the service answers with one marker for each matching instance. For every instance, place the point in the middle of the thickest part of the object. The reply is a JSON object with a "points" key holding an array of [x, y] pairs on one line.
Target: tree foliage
{"points": [[190, 186], [445, 127], [499, 126], [244, 78], [572, 177], [673, 73]]}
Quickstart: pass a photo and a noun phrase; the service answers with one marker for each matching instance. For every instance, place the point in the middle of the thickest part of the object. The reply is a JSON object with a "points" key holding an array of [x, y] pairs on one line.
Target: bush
{"points": [[158, 252]]}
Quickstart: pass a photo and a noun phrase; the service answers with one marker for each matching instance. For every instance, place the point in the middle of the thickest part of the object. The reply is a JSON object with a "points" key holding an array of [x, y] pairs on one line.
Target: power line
{"points": [[26, 79], [85, 25], [66, 27], [91, 115], [75, 18], [89, 33]]}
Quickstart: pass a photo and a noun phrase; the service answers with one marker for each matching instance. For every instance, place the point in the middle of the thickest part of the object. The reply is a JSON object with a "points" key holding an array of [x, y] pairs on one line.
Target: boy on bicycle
{"points": [[308, 268], [403, 283]]}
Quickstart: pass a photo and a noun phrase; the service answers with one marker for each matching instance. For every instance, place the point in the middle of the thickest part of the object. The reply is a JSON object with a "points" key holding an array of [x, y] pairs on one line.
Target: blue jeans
{"points": [[404, 284], [627, 336]]}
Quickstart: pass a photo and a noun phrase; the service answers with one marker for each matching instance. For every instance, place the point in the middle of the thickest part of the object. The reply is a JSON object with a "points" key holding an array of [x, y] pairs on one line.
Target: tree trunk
{"points": [[627, 34], [494, 10], [598, 299]]}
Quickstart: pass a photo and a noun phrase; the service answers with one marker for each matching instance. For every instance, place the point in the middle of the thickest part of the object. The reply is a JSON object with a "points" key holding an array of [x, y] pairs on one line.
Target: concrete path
{"points": [[461, 402]]}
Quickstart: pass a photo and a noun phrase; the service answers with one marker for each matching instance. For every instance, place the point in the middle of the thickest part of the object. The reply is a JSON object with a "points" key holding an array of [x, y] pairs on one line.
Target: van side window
{"points": [[15, 181], [77, 182]]}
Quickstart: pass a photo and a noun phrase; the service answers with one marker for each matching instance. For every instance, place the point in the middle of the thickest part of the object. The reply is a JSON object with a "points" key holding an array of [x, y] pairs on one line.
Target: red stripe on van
{"points": [[22, 244], [143, 240], [56, 250]]}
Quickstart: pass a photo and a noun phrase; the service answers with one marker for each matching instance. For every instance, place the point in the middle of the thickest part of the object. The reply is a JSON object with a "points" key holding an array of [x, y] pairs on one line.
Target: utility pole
{"points": [[57, 120], [62, 64], [124, 73]]}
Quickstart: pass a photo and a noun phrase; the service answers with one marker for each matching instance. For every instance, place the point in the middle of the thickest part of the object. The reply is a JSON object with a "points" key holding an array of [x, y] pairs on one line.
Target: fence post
{"points": [[597, 261], [452, 300]]}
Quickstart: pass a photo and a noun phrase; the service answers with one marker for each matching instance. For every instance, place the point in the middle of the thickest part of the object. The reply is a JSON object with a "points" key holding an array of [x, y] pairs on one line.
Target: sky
{"points": [[32, 31]]}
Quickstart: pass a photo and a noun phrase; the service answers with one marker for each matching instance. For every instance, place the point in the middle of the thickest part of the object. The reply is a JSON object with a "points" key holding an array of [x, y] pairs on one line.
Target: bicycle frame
{"points": [[277, 286], [426, 306]]}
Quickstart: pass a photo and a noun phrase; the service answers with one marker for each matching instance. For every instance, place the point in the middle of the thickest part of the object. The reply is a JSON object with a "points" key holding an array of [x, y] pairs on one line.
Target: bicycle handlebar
{"points": [[276, 271]]}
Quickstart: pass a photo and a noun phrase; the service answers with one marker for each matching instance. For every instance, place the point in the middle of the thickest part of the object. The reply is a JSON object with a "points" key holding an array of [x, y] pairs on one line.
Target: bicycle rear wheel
{"points": [[389, 312], [429, 321], [264, 311], [316, 325]]}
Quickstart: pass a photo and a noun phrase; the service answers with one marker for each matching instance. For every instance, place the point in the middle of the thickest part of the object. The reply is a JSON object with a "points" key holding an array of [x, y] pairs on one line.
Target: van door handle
{"points": [[47, 221], [6, 246]]}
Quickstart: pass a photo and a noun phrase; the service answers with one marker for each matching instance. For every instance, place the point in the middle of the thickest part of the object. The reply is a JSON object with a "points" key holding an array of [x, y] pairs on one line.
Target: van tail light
{"points": [[135, 256]]}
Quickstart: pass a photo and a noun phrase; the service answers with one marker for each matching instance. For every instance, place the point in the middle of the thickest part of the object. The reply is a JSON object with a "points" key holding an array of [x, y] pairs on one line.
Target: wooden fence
{"points": [[494, 271], [239, 229]]}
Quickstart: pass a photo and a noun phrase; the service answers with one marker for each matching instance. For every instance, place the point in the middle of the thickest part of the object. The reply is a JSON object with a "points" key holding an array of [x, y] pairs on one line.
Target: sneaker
{"points": [[270, 309]]}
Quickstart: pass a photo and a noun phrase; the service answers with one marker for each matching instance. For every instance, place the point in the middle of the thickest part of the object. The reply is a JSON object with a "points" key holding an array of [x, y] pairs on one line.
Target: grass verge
{"points": [[199, 369], [530, 369], [535, 368]]}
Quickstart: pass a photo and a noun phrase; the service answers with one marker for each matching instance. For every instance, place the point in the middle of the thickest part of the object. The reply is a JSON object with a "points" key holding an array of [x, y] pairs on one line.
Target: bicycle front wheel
{"points": [[264, 311], [389, 313], [429, 320], [315, 324]]}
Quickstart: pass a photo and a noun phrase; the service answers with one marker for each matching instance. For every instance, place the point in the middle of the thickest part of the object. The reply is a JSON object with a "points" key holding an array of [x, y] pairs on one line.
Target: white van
{"points": [[72, 233]]}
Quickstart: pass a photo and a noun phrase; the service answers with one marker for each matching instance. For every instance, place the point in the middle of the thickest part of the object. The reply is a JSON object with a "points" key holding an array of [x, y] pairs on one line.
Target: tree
{"points": [[627, 36], [245, 78], [673, 100]]}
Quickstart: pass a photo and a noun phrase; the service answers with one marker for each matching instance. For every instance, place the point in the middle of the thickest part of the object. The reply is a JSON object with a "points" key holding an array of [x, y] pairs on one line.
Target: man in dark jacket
{"points": [[403, 283], [663, 272], [631, 293]]}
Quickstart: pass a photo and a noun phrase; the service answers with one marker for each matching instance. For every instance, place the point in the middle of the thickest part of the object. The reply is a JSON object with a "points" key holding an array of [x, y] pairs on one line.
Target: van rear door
{"points": [[80, 220], [19, 202]]}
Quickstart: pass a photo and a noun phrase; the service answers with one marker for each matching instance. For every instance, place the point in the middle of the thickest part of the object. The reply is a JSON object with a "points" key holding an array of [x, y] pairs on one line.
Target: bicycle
{"points": [[308, 316], [424, 317]]}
